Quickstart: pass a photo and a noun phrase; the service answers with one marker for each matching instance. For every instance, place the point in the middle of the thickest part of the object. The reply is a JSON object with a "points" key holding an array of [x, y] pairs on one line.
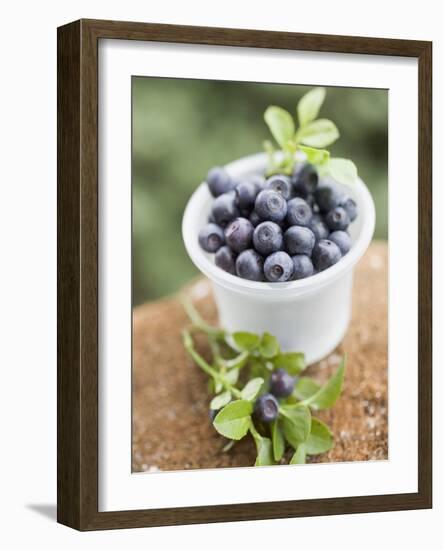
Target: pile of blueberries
{"points": [[281, 385], [277, 229]]}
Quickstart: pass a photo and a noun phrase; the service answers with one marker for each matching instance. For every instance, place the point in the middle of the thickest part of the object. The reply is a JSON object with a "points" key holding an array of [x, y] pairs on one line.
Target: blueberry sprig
{"points": [[309, 139], [261, 391]]}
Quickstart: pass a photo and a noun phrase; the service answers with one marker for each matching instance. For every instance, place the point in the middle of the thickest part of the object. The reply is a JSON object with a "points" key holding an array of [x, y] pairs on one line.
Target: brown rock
{"points": [[171, 426]]}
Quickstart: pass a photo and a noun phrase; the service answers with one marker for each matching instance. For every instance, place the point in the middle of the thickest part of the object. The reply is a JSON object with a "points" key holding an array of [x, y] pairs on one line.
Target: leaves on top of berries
{"points": [[309, 105], [280, 123], [312, 135]]}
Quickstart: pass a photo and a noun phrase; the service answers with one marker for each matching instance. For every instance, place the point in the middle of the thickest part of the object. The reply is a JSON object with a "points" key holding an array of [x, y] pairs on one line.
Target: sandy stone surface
{"points": [[171, 426]]}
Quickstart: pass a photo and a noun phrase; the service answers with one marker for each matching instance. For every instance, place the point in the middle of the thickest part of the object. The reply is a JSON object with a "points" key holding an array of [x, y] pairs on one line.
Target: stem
{"points": [[189, 345], [257, 437], [197, 320]]}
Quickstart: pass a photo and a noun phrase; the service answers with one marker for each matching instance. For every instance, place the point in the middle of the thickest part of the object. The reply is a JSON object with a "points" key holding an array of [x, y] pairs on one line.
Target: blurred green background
{"points": [[181, 128]]}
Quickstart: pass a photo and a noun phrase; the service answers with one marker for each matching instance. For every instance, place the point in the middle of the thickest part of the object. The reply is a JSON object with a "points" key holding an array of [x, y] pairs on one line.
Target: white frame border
{"points": [[119, 489]]}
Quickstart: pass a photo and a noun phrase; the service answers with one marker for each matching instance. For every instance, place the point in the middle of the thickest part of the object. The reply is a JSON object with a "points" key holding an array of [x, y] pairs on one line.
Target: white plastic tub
{"points": [[310, 315]]}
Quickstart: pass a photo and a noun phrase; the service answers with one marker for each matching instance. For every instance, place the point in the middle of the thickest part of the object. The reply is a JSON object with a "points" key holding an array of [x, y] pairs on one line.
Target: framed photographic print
{"points": [[244, 275]]}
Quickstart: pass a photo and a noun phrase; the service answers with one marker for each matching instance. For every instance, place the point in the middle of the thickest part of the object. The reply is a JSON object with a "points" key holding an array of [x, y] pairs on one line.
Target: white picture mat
{"points": [[119, 489]]}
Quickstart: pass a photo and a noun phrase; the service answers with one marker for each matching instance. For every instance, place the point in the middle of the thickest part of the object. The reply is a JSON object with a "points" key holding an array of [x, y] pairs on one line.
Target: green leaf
{"points": [[320, 133], [278, 440], [232, 376], [252, 388], [343, 170], [237, 362], [234, 419], [309, 105], [246, 341], [293, 362], [328, 394], [305, 387], [264, 452], [299, 456], [296, 423], [269, 346], [320, 439], [281, 124], [315, 156], [220, 401]]}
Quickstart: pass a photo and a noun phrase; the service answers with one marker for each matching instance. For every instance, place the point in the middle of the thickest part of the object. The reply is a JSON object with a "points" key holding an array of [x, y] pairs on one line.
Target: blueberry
{"points": [[278, 267], [258, 180], [270, 205], [238, 234], [225, 259], [337, 219], [327, 197], [219, 181], [281, 184], [302, 266], [342, 240], [299, 240], [246, 193], [213, 413], [304, 180], [325, 254], [254, 218], [318, 227], [299, 212], [211, 237], [249, 265], [350, 206], [266, 408], [224, 208], [267, 238], [282, 383]]}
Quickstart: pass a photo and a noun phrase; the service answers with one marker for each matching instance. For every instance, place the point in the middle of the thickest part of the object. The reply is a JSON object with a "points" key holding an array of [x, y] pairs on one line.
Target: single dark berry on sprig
{"points": [[213, 413], [342, 239], [325, 254], [246, 192], [278, 267], [249, 265], [266, 408], [225, 259], [281, 383], [224, 208], [327, 197], [280, 183], [219, 181], [304, 180], [302, 267], [337, 219], [299, 240], [238, 234], [267, 238], [270, 205], [350, 206], [319, 227], [299, 212], [211, 237]]}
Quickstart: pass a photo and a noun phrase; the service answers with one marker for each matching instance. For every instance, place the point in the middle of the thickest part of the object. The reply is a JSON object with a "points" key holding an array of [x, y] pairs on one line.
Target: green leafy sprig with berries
{"points": [[240, 373], [310, 139]]}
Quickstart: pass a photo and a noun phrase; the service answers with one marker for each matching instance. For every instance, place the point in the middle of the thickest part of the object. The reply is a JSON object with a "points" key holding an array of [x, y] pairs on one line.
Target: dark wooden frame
{"points": [[77, 456]]}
